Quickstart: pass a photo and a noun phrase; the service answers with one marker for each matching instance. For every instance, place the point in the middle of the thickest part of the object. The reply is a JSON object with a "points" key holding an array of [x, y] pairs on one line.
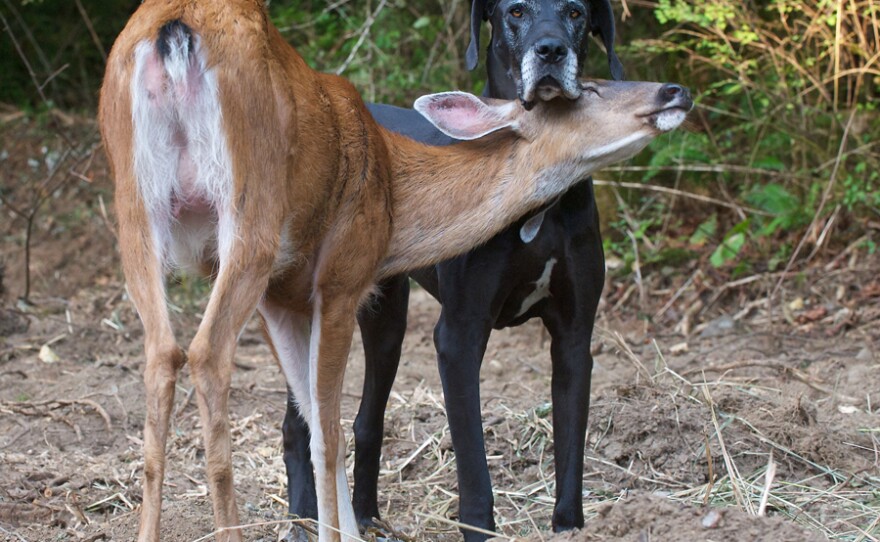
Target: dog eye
{"points": [[516, 12], [575, 14]]}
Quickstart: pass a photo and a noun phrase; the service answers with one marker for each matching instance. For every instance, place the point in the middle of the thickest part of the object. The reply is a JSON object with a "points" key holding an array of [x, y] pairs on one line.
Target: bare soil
{"points": [[688, 413]]}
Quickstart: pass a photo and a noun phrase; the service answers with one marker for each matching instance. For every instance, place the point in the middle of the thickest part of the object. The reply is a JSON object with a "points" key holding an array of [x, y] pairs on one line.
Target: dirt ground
{"points": [[725, 418]]}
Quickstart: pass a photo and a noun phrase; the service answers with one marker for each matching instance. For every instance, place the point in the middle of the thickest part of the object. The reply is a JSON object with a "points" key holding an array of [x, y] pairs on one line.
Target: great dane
{"points": [[548, 265]]}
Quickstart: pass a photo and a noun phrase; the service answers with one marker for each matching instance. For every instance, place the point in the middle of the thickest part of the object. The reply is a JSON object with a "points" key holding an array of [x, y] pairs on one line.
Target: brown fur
{"points": [[359, 202]]}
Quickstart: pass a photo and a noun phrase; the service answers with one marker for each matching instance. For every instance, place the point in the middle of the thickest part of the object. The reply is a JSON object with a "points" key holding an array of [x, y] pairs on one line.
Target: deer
{"points": [[232, 158]]}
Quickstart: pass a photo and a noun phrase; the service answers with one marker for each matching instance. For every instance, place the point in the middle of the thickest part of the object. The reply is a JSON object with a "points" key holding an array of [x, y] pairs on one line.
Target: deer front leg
{"points": [[332, 327], [142, 265], [241, 283], [288, 332]]}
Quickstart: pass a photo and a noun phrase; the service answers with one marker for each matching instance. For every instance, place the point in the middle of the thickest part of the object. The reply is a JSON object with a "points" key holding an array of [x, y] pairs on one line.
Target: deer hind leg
{"points": [[144, 278], [233, 299], [143, 185], [245, 264], [246, 256]]}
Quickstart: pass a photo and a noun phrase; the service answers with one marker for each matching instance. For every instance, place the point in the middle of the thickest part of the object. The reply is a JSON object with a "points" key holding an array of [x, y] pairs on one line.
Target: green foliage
{"points": [[777, 84], [392, 51], [65, 56], [775, 199]]}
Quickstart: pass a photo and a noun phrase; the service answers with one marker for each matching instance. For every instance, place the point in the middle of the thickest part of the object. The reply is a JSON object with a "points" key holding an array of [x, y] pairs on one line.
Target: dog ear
{"points": [[478, 15], [464, 116], [603, 25]]}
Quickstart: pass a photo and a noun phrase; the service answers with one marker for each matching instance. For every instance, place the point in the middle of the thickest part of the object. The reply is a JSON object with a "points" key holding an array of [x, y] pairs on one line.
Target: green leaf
{"points": [[704, 231], [773, 198], [728, 249], [770, 162]]}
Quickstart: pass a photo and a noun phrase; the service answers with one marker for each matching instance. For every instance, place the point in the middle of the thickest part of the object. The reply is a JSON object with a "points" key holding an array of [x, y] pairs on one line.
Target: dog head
{"points": [[543, 43]]}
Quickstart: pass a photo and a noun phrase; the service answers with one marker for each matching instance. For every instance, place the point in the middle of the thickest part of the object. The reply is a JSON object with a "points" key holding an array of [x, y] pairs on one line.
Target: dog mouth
{"points": [[549, 88]]}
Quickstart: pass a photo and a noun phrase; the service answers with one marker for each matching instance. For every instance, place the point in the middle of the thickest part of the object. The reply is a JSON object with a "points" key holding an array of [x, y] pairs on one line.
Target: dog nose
{"points": [[671, 91], [551, 50]]}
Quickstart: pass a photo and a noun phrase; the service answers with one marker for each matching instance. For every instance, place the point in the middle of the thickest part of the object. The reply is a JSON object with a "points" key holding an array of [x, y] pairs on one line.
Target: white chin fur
{"points": [[548, 93], [669, 120]]}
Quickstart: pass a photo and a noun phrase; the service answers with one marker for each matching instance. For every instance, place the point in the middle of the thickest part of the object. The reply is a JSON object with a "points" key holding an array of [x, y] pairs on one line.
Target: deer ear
{"points": [[464, 116]]}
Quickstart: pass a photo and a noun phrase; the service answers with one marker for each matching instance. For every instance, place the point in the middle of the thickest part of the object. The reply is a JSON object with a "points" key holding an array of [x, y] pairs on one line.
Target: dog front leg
{"points": [[383, 325]]}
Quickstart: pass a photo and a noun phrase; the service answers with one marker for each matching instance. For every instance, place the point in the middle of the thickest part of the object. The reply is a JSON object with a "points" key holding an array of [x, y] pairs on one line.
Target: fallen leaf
{"points": [[812, 315], [47, 355]]}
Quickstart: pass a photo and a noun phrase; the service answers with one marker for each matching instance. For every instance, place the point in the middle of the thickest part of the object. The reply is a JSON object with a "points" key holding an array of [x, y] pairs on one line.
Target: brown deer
{"points": [[233, 158]]}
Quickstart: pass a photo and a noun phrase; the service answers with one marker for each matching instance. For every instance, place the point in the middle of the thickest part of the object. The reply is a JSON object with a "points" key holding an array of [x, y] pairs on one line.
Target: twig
{"points": [[822, 236], [793, 372], [302, 522], [41, 55], [365, 30], [711, 466], [677, 294], [627, 351], [97, 41], [681, 193], [637, 267], [463, 526], [32, 408], [768, 481]]}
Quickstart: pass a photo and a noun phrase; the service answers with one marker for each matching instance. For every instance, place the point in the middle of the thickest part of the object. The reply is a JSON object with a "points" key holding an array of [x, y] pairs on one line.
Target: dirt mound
{"points": [[650, 517], [643, 430], [647, 430]]}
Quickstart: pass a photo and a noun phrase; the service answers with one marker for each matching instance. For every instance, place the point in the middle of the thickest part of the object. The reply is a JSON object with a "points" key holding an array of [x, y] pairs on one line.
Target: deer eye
{"points": [[516, 12], [575, 14], [588, 86]]}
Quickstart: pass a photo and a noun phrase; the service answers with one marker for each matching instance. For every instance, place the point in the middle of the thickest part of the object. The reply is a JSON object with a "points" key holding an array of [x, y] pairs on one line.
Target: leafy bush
{"points": [[786, 131], [393, 50], [787, 110]]}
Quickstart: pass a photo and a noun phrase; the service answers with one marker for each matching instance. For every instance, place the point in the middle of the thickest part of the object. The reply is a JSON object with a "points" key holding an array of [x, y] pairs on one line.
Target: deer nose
{"points": [[551, 50], [670, 92]]}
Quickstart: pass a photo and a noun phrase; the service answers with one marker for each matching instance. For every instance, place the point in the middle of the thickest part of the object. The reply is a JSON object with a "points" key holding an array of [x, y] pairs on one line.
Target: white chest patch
{"points": [[542, 288]]}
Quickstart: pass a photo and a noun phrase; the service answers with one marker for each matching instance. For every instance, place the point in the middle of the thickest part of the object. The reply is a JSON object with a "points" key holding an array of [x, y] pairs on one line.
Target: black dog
{"points": [[548, 265]]}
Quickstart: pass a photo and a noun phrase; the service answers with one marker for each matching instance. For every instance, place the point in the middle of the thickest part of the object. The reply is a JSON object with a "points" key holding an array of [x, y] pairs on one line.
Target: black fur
{"points": [[173, 32]]}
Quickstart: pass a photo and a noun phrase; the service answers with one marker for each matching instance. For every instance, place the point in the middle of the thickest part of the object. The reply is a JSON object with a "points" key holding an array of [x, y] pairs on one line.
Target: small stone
{"points": [[47, 355], [711, 520], [719, 326], [680, 348], [847, 409], [865, 354]]}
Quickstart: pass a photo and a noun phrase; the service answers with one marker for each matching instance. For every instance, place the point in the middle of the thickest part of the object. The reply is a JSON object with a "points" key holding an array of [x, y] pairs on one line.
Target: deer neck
{"points": [[447, 200]]}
